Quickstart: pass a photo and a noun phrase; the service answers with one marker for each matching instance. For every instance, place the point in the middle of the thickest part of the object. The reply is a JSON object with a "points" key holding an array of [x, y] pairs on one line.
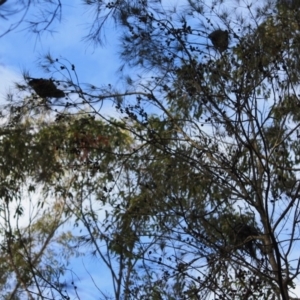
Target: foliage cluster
{"points": [[193, 192]]}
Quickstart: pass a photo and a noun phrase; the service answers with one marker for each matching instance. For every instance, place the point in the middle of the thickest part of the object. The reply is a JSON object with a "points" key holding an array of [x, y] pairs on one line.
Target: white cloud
{"points": [[8, 75]]}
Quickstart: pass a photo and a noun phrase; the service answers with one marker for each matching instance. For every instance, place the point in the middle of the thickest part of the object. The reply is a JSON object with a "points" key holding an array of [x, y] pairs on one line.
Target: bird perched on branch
{"points": [[46, 88], [219, 39], [242, 236]]}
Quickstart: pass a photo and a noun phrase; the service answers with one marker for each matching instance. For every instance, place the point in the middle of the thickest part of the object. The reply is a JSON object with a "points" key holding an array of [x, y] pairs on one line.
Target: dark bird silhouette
{"points": [[46, 88], [242, 234], [219, 39]]}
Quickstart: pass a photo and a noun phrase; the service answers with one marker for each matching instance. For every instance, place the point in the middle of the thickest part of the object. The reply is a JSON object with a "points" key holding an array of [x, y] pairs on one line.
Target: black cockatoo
{"points": [[46, 88], [242, 232], [219, 39]]}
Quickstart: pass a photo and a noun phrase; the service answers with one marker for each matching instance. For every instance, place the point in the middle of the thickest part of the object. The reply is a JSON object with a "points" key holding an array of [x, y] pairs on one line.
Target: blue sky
{"points": [[20, 50]]}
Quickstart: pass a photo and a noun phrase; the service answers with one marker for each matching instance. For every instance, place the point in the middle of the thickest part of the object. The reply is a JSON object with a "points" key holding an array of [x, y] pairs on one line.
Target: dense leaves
{"points": [[197, 180]]}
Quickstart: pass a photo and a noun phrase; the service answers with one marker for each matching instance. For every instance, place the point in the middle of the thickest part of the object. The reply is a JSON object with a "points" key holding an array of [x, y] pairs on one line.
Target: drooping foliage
{"points": [[197, 179]]}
